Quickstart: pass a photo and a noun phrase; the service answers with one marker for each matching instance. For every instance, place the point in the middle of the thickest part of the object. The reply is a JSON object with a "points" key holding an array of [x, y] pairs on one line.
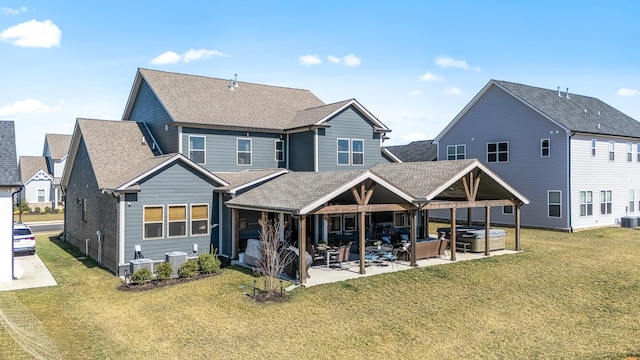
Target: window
{"points": [[507, 209], [399, 219], [554, 201], [605, 202], [544, 147], [357, 152], [612, 147], [632, 200], [593, 147], [586, 203], [629, 152], [498, 152], [41, 197], [343, 151], [279, 150], [153, 220], [177, 220], [197, 149], [349, 222], [84, 210], [638, 151], [334, 223], [200, 219], [244, 151], [456, 152]]}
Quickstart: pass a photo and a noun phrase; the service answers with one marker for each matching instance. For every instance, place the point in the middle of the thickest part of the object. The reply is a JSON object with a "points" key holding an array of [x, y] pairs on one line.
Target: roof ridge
{"points": [[545, 89]]}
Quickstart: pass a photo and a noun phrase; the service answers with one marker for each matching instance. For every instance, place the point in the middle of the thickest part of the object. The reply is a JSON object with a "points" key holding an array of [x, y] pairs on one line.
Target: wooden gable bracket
{"points": [[471, 186], [364, 196]]}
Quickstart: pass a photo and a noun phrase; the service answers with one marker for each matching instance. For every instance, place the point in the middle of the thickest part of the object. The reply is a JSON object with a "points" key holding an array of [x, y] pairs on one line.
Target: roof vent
{"points": [[598, 112], [559, 93], [233, 83], [598, 126], [144, 141], [567, 93], [585, 111]]}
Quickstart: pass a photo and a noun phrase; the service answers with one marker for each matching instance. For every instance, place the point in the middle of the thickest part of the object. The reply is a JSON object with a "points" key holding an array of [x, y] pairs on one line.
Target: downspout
{"points": [[315, 150], [13, 274], [220, 222], [287, 146], [121, 230], [569, 219], [180, 141]]}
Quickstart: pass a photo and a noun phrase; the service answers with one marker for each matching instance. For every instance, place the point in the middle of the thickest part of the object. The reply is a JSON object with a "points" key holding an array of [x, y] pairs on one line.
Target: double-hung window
{"points": [[153, 219], [632, 200], [84, 210], [343, 151], [554, 202], [586, 203], [605, 202], [456, 152], [612, 150], [399, 219], [357, 152], [244, 151], [638, 152], [41, 195], [593, 147], [544, 147], [197, 149], [498, 152], [279, 150], [199, 219], [177, 221], [629, 152], [350, 152]]}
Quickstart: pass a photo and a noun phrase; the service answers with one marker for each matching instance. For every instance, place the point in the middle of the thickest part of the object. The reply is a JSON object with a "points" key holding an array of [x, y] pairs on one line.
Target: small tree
{"points": [[275, 257]]}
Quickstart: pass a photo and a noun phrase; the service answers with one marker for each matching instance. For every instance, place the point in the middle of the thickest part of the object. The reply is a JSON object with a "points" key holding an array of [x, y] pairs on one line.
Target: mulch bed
{"points": [[153, 284], [267, 296]]}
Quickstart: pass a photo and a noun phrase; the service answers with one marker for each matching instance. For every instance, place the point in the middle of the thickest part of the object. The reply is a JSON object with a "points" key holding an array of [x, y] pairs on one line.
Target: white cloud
{"points": [[27, 106], [334, 59], [430, 77], [447, 62], [453, 91], [168, 57], [200, 54], [628, 92], [34, 34], [415, 92], [309, 60], [351, 60], [10, 11]]}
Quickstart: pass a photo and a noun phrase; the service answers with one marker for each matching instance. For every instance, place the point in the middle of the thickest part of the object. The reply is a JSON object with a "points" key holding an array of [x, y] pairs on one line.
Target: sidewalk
{"points": [[30, 272]]}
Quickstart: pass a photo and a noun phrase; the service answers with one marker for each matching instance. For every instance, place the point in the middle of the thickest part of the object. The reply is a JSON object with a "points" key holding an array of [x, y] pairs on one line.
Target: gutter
{"points": [[13, 274]]}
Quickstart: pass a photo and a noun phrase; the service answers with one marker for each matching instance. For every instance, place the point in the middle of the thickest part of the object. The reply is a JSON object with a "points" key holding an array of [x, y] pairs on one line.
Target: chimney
{"points": [[567, 93]]}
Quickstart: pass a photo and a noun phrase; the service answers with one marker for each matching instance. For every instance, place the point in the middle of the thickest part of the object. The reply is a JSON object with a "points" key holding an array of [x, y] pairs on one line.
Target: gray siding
{"points": [[352, 125], [148, 109], [221, 149], [498, 117], [175, 185], [102, 211], [301, 151]]}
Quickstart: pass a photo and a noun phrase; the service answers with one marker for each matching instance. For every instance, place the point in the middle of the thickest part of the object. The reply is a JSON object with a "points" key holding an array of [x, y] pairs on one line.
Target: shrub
{"points": [[36, 210], [188, 269], [47, 210], [164, 270], [141, 276], [56, 211], [208, 263], [24, 207]]}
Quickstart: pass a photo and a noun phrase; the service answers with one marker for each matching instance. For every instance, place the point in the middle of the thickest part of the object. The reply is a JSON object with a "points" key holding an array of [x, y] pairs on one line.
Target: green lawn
{"points": [[26, 218], [564, 296]]}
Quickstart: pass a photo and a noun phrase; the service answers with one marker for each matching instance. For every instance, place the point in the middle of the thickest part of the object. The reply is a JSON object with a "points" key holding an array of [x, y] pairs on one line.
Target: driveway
{"points": [[30, 272]]}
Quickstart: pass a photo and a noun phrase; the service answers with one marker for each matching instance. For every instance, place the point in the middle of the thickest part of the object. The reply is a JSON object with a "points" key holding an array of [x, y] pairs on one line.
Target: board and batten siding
{"points": [[176, 184], [499, 117], [221, 149], [301, 147], [349, 124], [148, 109], [597, 173]]}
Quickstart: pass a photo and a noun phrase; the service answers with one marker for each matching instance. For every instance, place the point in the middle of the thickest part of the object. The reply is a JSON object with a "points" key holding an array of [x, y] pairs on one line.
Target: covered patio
{"points": [[409, 188]]}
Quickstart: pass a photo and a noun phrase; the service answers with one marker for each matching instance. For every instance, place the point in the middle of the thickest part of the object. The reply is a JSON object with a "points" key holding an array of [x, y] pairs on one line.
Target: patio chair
{"points": [[390, 258], [315, 256], [342, 256]]}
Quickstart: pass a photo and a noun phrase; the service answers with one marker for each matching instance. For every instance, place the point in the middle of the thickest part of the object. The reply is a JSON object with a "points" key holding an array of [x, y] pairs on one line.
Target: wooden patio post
{"points": [[235, 219], [517, 215], [425, 223], [469, 216], [453, 234], [487, 225], [302, 249], [362, 242], [412, 237]]}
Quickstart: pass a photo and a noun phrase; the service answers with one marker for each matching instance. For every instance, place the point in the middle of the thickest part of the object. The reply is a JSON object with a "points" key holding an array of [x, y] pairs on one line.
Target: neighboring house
{"points": [[423, 150], [574, 156], [37, 182], [55, 151], [9, 185]]}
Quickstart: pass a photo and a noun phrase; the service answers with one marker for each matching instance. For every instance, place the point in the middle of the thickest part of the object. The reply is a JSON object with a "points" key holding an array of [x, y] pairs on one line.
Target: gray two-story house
{"points": [[574, 156]]}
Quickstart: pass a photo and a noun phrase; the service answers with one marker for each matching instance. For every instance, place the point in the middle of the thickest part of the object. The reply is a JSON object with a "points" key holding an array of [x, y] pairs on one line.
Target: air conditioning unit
{"points": [[137, 264], [176, 258]]}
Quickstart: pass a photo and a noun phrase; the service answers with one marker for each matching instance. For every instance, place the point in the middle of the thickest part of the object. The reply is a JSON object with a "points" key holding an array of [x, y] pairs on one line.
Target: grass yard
{"points": [[26, 218], [565, 296]]}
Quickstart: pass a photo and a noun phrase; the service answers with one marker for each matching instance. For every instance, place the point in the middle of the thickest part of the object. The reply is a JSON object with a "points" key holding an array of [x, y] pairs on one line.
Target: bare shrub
{"points": [[275, 257]]}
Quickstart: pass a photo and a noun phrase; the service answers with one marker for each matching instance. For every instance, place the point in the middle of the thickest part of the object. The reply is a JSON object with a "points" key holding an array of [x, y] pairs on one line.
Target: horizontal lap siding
{"points": [[301, 147], [149, 110], [498, 117], [176, 185], [349, 124], [598, 173]]}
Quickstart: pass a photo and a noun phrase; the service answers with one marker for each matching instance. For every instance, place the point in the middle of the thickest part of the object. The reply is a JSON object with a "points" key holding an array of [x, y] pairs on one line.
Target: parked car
{"points": [[23, 239]]}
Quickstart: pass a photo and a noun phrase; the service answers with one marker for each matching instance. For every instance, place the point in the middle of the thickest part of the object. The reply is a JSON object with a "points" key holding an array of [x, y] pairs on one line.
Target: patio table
{"points": [[327, 252]]}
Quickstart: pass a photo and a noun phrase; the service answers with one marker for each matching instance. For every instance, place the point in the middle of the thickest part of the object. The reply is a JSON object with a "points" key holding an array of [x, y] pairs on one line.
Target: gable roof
{"points": [[31, 165], [58, 145], [319, 116], [9, 175], [237, 181], [422, 150], [575, 113]]}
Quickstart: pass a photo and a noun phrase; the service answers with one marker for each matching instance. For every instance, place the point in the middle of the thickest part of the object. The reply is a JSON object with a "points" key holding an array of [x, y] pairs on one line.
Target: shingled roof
{"points": [[31, 165], [9, 175], [423, 150], [575, 112], [58, 145]]}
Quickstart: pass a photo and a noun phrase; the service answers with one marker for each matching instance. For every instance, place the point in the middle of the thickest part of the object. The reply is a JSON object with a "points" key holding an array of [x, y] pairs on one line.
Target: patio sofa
{"points": [[429, 248]]}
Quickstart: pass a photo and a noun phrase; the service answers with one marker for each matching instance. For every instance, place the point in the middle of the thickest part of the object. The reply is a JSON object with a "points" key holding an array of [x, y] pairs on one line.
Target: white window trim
{"points": [[548, 147], [593, 147], [629, 152], [276, 151], [338, 152], [632, 201], [549, 204], [638, 152], [586, 203], [186, 220], [354, 152], [244, 152], [153, 222], [603, 201], [507, 213], [43, 196], [455, 152], [612, 152], [191, 219], [204, 142], [498, 152]]}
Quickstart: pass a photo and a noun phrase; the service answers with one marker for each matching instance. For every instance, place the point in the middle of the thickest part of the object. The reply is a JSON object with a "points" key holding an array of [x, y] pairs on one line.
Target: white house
{"points": [[9, 185]]}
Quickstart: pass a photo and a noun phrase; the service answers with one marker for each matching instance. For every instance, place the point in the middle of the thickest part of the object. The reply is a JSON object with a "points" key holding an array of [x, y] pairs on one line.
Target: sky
{"points": [[413, 64]]}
